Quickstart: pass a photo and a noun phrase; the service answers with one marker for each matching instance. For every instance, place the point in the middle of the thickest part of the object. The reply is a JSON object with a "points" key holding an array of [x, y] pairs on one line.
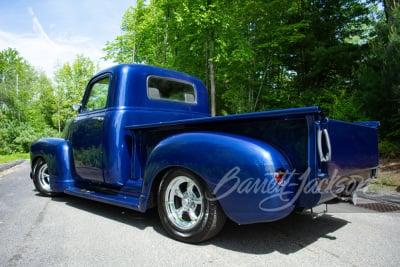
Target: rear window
{"points": [[160, 88]]}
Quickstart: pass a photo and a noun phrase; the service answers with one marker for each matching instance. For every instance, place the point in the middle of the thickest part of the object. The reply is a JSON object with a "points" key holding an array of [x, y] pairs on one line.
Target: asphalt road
{"points": [[67, 231]]}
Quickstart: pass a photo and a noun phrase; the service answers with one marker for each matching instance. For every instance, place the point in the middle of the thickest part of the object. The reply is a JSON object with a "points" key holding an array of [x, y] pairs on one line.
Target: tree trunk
{"points": [[389, 6], [212, 76]]}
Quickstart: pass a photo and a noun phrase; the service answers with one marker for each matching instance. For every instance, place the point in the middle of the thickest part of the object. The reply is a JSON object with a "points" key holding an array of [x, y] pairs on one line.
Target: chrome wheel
{"points": [[186, 207], [44, 177], [184, 203], [41, 178]]}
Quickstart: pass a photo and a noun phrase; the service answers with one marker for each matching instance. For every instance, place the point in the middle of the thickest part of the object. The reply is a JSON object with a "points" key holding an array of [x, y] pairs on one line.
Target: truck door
{"points": [[87, 131]]}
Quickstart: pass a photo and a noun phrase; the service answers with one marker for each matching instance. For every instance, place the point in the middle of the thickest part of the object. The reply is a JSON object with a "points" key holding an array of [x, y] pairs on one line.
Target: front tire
{"points": [[186, 208], [41, 178]]}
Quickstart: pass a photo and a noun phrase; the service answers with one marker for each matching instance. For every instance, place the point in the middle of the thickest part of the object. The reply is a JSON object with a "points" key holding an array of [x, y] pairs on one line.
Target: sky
{"points": [[50, 33]]}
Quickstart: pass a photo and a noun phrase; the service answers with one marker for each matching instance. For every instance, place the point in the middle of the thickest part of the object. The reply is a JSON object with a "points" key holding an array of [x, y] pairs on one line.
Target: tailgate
{"points": [[346, 149]]}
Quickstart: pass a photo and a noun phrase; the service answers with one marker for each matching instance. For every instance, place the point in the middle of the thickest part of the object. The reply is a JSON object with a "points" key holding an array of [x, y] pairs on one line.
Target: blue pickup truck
{"points": [[144, 138]]}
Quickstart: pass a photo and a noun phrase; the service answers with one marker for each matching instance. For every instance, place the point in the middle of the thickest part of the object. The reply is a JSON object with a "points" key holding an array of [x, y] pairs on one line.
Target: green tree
{"points": [[44, 101], [379, 96], [324, 60], [253, 55], [22, 116], [171, 33], [256, 76], [71, 80], [14, 71]]}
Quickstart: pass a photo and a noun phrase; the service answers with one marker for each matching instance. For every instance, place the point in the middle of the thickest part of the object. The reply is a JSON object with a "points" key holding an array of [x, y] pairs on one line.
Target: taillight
{"points": [[280, 175]]}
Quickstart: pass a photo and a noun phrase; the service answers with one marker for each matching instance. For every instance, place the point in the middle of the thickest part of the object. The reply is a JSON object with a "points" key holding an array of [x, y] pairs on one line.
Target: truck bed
{"points": [[294, 132]]}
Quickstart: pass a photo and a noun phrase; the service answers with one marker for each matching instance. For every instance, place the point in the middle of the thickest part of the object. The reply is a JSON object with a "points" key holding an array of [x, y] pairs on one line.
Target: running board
{"points": [[125, 201]]}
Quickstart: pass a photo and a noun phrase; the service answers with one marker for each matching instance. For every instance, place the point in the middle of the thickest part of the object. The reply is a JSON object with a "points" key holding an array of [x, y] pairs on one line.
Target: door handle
{"points": [[97, 118]]}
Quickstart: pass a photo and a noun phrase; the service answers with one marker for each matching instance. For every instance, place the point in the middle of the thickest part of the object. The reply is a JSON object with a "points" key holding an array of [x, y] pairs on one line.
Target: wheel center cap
{"points": [[187, 202]]}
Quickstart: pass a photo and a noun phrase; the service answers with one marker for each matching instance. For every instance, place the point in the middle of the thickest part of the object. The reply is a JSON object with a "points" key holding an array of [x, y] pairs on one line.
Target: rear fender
{"points": [[57, 153], [239, 171]]}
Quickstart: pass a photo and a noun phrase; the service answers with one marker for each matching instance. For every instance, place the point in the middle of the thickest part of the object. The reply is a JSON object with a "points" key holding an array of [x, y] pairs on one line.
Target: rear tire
{"points": [[186, 208], [41, 178]]}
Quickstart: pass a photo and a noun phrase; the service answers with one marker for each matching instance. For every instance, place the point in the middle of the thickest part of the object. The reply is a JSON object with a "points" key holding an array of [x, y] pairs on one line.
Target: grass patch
{"points": [[388, 176], [377, 186], [13, 157]]}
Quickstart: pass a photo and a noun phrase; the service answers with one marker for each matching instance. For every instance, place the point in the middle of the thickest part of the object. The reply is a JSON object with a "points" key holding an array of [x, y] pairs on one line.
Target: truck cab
{"points": [[114, 98]]}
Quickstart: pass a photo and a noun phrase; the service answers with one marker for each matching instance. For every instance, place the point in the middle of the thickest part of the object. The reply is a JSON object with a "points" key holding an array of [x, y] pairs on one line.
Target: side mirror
{"points": [[76, 107]]}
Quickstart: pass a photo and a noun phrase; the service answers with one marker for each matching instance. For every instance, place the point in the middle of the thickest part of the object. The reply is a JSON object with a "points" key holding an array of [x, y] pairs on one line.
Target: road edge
{"points": [[9, 165]]}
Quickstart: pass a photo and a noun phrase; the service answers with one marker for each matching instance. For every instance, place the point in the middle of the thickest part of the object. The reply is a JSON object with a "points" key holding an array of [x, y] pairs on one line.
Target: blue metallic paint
{"points": [[131, 83], [128, 104], [354, 148], [142, 138], [213, 156], [354, 159], [58, 154]]}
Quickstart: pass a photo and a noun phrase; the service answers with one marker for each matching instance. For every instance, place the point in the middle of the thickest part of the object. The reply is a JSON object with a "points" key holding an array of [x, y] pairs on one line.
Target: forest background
{"points": [[253, 55]]}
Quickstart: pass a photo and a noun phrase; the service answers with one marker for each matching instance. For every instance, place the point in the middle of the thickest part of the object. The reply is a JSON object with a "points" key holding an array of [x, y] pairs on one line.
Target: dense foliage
{"points": [[252, 55], [258, 55], [31, 105]]}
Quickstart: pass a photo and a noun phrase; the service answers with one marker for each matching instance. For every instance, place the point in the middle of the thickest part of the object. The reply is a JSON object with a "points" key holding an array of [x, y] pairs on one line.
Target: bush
{"points": [[16, 137], [389, 149]]}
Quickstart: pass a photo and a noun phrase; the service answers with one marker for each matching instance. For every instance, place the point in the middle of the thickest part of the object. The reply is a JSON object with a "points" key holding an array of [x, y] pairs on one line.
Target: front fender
{"points": [[240, 172], [57, 153]]}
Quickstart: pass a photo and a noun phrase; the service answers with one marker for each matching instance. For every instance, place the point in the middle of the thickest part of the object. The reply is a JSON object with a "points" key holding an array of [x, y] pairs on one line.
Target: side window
{"points": [[98, 95], [160, 88]]}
